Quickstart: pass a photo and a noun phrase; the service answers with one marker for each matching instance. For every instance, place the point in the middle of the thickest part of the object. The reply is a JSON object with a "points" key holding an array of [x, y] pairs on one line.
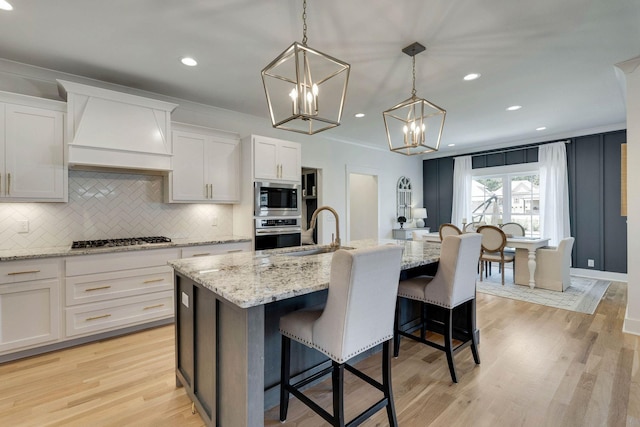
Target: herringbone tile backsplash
{"points": [[110, 205]]}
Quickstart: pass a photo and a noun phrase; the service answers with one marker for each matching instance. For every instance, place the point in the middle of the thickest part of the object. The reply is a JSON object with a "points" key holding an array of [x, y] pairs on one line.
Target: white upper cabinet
{"points": [[206, 166], [32, 165], [276, 160]]}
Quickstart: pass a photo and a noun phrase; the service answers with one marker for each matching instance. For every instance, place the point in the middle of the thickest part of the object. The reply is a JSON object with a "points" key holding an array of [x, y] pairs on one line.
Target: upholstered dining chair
{"points": [[493, 243], [553, 266], [513, 228], [473, 226], [448, 229], [358, 315], [453, 285]]}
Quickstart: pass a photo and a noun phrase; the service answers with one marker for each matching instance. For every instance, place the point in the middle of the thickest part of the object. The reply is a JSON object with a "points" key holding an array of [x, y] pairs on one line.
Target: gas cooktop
{"points": [[127, 241]]}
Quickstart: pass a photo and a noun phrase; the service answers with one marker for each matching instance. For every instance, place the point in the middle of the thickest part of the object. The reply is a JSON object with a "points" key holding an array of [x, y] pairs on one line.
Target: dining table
{"points": [[530, 244]]}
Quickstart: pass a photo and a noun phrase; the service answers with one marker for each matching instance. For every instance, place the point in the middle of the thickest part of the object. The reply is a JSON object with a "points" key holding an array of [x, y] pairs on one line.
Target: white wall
{"points": [[632, 317], [363, 206], [318, 151]]}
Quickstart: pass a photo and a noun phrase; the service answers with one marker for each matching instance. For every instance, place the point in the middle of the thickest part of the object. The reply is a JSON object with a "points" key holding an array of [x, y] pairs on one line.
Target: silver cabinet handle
{"points": [[153, 281], [149, 307], [8, 184], [203, 254]]}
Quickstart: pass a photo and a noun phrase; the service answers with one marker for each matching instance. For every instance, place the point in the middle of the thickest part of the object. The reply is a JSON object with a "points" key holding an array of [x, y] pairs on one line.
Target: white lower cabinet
{"points": [[97, 293], [104, 292], [29, 304], [114, 314], [223, 248]]}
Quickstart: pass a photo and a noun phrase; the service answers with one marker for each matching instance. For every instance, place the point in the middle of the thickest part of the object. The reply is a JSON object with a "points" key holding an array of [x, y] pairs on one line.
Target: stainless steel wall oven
{"points": [[274, 233]]}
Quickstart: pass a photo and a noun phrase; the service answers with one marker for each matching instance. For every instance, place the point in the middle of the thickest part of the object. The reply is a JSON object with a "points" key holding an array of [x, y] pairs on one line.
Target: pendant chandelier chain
{"points": [[413, 91], [304, 23]]}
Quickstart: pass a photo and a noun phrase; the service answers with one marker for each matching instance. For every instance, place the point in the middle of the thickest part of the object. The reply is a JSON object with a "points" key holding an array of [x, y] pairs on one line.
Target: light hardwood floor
{"points": [[540, 367]]}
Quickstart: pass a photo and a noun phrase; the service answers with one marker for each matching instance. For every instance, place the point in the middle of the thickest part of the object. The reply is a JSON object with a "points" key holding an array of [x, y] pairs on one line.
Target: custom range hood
{"points": [[109, 129]]}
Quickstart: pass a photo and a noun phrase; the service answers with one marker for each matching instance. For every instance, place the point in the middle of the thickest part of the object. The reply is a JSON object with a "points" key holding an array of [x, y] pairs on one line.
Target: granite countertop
{"points": [[63, 251], [249, 279]]}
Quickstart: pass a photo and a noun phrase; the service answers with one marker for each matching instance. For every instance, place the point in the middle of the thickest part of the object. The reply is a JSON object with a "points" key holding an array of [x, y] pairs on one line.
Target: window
{"points": [[507, 194]]}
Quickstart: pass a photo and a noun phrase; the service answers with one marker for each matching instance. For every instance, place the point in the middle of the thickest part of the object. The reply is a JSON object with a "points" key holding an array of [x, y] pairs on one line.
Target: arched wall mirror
{"points": [[404, 196]]}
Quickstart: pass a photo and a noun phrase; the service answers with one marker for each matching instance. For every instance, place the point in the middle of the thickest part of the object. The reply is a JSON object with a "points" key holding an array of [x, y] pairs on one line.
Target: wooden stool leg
{"points": [[386, 383], [471, 327], [337, 380], [285, 361], [423, 320], [396, 325], [448, 333]]}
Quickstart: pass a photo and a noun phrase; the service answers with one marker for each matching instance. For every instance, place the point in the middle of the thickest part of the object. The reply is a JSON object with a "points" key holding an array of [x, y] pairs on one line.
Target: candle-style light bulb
{"points": [[294, 100]]}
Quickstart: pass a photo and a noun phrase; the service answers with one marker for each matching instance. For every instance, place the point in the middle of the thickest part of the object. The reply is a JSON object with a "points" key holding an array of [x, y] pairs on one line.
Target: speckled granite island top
{"points": [[251, 279], [63, 251]]}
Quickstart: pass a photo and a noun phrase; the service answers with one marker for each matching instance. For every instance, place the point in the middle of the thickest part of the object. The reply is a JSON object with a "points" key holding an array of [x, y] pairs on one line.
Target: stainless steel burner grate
{"points": [[127, 241]]}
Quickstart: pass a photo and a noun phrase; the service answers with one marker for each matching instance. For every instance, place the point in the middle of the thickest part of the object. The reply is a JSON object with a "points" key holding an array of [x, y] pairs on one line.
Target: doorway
{"points": [[362, 206]]}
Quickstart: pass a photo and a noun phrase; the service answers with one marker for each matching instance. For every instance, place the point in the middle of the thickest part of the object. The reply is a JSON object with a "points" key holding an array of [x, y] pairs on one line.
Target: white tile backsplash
{"points": [[110, 205]]}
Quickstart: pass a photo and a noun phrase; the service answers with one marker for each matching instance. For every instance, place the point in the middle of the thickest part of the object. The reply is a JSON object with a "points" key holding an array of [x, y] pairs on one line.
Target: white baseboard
{"points": [[600, 275], [630, 326]]}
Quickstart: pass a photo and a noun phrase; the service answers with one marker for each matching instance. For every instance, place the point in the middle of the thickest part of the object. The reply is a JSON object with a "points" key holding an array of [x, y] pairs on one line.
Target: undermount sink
{"points": [[315, 251]]}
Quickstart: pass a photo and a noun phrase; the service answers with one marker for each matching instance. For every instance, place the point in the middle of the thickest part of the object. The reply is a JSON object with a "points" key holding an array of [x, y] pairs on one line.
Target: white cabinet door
{"points": [[29, 314], [206, 167], [290, 159], [188, 177], [265, 153], [222, 172], [34, 160], [276, 160]]}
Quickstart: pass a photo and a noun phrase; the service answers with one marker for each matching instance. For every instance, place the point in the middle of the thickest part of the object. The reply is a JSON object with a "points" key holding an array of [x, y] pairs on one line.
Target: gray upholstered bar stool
{"points": [[358, 315], [453, 285]]}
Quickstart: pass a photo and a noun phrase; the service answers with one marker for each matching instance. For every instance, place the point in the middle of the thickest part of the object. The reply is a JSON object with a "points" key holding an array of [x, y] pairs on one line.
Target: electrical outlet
{"points": [[214, 221], [23, 226], [591, 263]]}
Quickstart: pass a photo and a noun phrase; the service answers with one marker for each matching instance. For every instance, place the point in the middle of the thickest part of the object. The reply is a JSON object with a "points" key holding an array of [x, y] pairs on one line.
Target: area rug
{"points": [[582, 296]]}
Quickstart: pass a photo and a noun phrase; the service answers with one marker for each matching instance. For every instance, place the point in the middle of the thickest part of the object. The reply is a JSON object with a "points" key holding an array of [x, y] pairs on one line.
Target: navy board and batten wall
{"points": [[594, 195]]}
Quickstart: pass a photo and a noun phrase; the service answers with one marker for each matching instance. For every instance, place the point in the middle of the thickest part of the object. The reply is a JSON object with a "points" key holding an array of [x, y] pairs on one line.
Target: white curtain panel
{"points": [[462, 173], [554, 192]]}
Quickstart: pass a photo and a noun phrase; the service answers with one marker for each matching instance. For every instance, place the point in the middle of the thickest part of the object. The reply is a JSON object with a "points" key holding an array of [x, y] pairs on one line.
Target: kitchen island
{"points": [[227, 313]]}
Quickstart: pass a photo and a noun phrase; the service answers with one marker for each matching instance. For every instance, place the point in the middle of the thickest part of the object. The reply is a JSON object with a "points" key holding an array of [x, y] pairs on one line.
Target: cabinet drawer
{"points": [[103, 316], [107, 286], [29, 270], [102, 263], [223, 248]]}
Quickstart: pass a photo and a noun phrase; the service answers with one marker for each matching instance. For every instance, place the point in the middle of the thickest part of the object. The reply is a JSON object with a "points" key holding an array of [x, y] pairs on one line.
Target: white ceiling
{"points": [[554, 57]]}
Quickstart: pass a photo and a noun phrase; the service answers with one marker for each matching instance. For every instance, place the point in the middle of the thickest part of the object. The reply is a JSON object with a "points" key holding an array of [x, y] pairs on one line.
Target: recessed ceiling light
{"points": [[541, 128], [358, 115], [5, 5], [189, 61], [451, 145], [471, 76], [514, 107]]}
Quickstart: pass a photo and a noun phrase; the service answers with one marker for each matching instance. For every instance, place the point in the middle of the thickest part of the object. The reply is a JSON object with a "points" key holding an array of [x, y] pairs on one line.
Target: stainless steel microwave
{"points": [[277, 199]]}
